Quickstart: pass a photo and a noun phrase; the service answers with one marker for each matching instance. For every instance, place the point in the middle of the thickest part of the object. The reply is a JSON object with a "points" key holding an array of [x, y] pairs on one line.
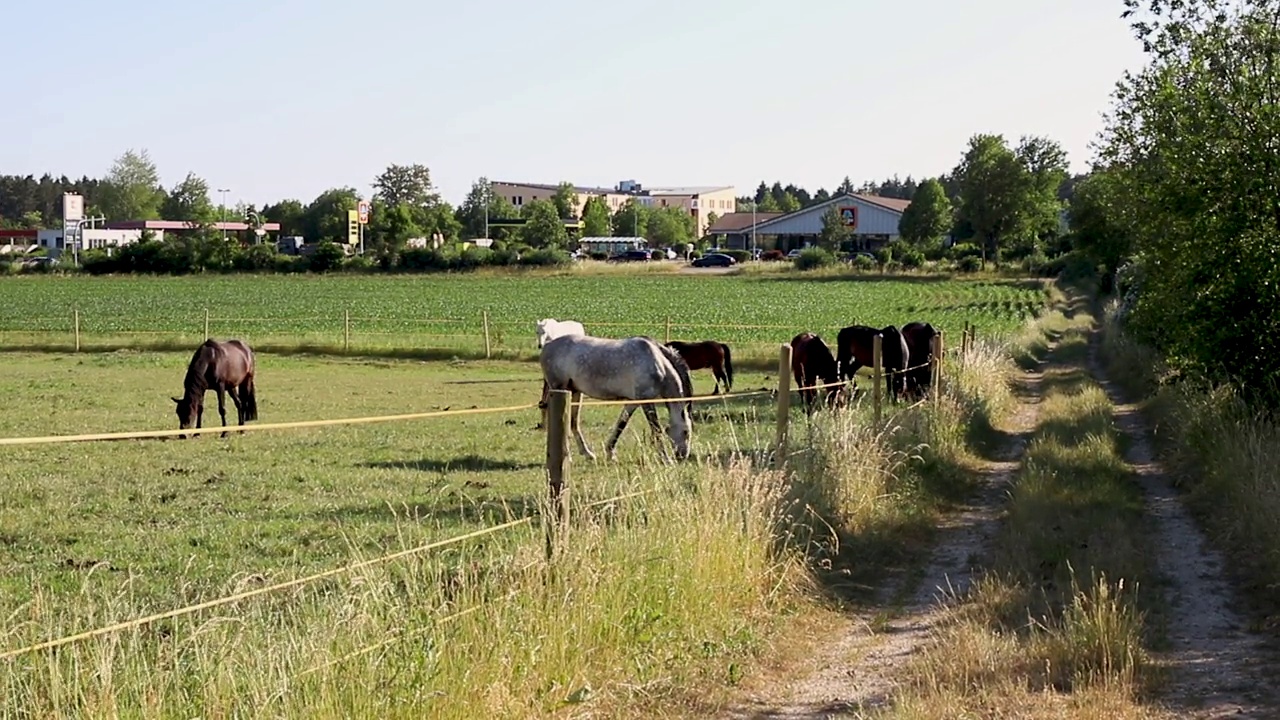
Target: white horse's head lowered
{"points": [[549, 329]]}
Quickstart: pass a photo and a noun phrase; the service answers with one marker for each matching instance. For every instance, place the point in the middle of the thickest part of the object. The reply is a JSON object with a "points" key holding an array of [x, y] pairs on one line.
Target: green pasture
{"points": [[442, 316]]}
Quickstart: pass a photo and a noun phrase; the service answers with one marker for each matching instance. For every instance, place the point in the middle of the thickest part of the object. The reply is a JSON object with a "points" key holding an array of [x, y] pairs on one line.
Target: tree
{"points": [[326, 217], [131, 190], [834, 231], [1190, 143], [1045, 163], [768, 204], [631, 220], [595, 218], [543, 226], [1096, 220], [993, 191], [189, 201], [289, 213], [33, 219], [472, 216], [712, 217], [390, 228], [929, 216], [846, 186], [670, 227], [789, 203], [406, 185], [821, 196], [566, 200]]}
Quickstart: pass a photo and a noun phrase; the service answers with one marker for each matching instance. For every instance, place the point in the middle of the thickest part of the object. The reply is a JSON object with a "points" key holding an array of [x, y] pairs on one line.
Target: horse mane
{"points": [[682, 370], [195, 379]]}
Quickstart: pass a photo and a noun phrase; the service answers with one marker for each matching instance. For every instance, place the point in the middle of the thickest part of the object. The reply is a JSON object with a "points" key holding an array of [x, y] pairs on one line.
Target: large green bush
{"points": [[814, 258]]}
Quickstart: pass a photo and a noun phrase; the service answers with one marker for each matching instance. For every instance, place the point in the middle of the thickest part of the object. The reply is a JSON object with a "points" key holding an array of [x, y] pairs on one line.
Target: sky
{"points": [[276, 99]]}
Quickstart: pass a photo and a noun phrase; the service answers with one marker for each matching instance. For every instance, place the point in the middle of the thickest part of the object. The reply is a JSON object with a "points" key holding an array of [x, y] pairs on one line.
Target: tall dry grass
{"points": [[1057, 624], [1222, 454]]}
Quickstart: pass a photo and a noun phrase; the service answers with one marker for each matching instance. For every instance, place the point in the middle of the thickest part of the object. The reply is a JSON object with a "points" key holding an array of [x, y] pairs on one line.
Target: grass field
{"points": [[442, 315], [95, 533]]}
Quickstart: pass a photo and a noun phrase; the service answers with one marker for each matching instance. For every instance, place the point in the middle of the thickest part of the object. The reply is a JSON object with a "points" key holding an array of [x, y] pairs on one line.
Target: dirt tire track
{"points": [[856, 669], [1217, 668]]}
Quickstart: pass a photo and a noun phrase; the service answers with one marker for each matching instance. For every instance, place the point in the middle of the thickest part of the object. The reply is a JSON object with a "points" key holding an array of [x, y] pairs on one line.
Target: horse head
{"points": [[679, 431], [187, 411]]}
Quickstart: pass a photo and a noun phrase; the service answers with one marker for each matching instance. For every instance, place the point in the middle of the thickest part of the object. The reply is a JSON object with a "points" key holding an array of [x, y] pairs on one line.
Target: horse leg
{"points": [[234, 392], [621, 425], [718, 371], [575, 415], [542, 406], [222, 407], [651, 414]]}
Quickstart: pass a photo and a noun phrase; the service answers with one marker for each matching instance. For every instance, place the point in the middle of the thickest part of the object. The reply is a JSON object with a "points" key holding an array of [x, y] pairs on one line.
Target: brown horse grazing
{"points": [[812, 364], [226, 367], [708, 354], [855, 348], [919, 337]]}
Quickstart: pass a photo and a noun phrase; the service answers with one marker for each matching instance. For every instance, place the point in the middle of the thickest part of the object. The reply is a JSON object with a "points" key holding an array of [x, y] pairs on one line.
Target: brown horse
{"points": [[812, 364], [919, 337], [708, 354], [855, 349], [226, 367]]}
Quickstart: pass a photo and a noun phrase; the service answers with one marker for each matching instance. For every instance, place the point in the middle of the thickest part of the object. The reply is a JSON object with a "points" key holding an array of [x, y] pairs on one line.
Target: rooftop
{"points": [[655, 191], [736, 221], [183, 225]]}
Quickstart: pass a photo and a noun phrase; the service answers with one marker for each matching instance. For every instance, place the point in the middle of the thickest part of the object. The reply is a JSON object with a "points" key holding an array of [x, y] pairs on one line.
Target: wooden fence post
{"points": [[557, 465], [487, 353], [206, 323], [784, 405], [346, 331], [936, 382], [75, 312], [877, 370], [668, 329]]}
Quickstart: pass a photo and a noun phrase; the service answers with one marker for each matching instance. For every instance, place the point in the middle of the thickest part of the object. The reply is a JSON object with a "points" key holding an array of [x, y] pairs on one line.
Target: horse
{"points": [[812, 364], [708, 354], [549, 329], [919, 337], [226, 367], [855, 349], [634, 368]]}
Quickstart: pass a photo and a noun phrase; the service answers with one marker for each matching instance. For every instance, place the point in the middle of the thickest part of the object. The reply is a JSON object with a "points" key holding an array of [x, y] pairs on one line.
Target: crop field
{"points": [[443, 315]]}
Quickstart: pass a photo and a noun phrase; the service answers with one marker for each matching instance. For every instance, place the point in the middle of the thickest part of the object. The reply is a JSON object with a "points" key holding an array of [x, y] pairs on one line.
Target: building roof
{"points": [[892, 205], [182, 225], [691, 190], [544, 186], [738, 221], [587, 190]]}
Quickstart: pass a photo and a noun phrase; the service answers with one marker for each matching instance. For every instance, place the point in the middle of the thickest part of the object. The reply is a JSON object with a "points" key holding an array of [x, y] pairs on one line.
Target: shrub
{"points": [[97, 262], [257, 258], [969, 263], [359, 263], [911, 258], [546, 257], [739, 255], [884, 255], [960, 251], [814, 258], [328, 256], [862, 262]]}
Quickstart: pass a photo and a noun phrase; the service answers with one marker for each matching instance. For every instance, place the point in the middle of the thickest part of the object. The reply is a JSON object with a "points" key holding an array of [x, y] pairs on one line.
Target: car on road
{"points": [[714, 260]]}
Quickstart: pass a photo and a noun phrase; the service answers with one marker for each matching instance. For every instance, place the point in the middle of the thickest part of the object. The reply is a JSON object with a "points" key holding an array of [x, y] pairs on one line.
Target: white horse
{"points": [[549, 329], [634, 368]]}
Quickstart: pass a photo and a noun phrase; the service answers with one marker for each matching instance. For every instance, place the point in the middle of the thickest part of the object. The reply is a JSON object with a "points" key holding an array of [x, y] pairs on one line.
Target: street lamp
{"points": [[753, 229], [224, 192]]}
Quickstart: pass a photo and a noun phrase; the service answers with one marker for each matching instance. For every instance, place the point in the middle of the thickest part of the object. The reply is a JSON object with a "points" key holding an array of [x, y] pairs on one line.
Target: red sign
{"points": [[849, 213], [362, 210]]}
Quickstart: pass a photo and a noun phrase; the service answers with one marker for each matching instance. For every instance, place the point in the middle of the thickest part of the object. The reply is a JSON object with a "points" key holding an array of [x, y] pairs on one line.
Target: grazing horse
{"points": [[708, 354], [812, 364], [634, 368], [226, 367], [549, 329], [919, 337], [855, 349]]}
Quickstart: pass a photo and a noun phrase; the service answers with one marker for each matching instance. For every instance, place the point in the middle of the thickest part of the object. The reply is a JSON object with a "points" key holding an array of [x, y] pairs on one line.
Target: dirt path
{"points": [[857, 667], [1218, 669]]}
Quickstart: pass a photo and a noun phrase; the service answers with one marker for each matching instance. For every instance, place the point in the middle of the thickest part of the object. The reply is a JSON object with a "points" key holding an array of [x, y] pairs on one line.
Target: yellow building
{"points": [[699, 202]]}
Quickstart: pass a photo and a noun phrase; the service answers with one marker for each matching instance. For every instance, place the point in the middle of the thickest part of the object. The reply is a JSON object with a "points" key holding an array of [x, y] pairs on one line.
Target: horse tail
{"points": [[249, 399], [728, 367]]}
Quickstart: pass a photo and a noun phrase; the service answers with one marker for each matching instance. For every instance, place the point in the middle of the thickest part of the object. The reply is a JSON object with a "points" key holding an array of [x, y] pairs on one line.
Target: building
{"points": [[699, 202], [872, 219], [733, 231], [130, 231]]}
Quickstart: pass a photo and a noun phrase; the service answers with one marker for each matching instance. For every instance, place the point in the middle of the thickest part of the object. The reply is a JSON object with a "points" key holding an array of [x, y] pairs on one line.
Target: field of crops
{"points": [[414, 313]]}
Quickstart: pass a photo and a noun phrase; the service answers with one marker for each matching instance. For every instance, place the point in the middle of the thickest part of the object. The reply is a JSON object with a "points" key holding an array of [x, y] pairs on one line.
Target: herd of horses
{"points": [[634, 368]]}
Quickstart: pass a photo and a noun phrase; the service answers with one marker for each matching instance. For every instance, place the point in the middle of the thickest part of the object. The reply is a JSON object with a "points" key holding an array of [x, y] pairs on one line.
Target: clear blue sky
{"points": [[285, 98]]}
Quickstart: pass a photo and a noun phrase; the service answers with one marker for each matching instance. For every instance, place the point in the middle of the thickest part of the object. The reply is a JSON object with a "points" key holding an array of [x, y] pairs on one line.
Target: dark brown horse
{"points": [[919, 337], [855, 349], [812, 364], [708, 354], [226, 367]]}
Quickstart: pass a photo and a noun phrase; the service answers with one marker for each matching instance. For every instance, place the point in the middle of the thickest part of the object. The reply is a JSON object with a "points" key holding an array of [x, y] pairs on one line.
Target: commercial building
{"points": [[699, 201], [871, 219], [131, 231]]}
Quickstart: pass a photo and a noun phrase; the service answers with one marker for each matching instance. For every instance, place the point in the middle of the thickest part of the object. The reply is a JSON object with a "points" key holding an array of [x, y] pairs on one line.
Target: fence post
{"points": [[668, 329], [75, 312], [487, 353], [346, 331], [557, 465], [877, 370], [940, 354], [784, 404], [206, 323]]}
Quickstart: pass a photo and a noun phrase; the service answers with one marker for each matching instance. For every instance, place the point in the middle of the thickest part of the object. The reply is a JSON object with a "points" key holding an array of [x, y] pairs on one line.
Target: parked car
{"points": [[714, 260], [631, 256], [793, 254]]}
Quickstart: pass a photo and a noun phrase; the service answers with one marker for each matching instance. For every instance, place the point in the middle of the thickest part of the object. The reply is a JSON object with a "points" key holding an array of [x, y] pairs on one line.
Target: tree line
{"points": [[1182, 206]]}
